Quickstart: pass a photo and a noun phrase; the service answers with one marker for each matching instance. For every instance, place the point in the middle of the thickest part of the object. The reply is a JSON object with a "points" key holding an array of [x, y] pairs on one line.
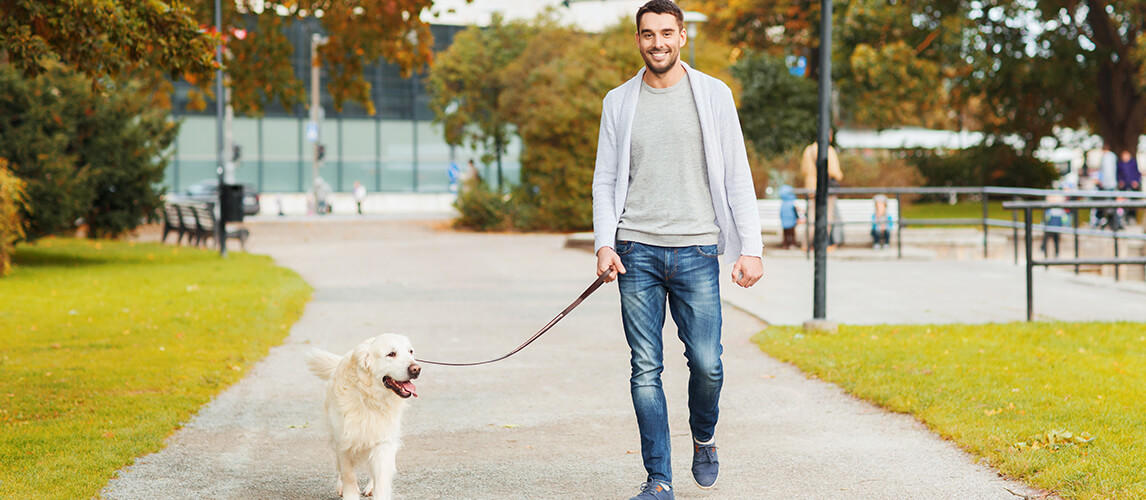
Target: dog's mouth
{"points": [[403, 389]]}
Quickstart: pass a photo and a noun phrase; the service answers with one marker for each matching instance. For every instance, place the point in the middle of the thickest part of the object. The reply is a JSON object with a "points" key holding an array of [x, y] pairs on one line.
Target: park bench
{"points": [[197, 221], [852, 212]]}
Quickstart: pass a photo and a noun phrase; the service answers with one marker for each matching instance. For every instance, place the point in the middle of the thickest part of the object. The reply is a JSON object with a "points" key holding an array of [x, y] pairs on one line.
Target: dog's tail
{"points": [[322, 363]]}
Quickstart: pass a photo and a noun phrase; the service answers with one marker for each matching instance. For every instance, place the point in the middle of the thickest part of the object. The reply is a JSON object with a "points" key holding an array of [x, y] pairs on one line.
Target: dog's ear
{"points": [[363, 357]]}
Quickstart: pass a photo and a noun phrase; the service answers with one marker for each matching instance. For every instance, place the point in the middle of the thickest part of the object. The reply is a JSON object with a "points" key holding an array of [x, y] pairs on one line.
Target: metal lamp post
{"points": [[691, 21], [220, 96], [314, 131]]}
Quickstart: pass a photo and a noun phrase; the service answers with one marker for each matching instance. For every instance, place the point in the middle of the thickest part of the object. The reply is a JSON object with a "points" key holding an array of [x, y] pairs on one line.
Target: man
{"points": [[836, 175], [672, 190]]}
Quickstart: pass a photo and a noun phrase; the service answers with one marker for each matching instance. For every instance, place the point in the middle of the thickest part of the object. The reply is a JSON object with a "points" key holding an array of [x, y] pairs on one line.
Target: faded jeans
{"points": [[687, 278]]}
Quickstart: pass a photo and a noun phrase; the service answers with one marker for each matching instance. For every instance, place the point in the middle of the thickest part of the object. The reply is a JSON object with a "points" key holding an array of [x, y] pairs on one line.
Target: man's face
{"points": [[659, 39]]}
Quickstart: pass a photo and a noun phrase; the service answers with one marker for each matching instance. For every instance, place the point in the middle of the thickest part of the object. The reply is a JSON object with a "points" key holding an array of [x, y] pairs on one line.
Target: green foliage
{"points": [[95, 155], [1006, 392], [125, 142], [37, 122], [482, 209], [774, 128], [109, 347], [994, 165], [468, 82], [557, 109], [11, 224]]}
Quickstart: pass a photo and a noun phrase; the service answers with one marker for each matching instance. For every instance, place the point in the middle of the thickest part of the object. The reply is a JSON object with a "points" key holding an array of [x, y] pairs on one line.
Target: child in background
{"points": [[881, 223], [789, 217], [1055, 218]]}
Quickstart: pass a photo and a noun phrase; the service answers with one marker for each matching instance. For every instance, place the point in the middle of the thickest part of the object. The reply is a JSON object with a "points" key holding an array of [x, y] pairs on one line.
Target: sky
{"points": [[589, 15]]}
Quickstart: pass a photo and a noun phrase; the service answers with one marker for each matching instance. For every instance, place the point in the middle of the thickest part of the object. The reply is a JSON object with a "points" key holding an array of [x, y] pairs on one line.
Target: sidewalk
{"points": [[556, 420]]}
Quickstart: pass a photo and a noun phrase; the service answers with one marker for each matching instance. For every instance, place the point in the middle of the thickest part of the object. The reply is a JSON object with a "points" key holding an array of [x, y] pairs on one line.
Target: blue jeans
{"points": [[687, 278]]}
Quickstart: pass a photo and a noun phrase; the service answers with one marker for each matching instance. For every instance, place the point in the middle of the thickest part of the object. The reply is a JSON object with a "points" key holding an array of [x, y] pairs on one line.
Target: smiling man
{"points": [[672, 191]]}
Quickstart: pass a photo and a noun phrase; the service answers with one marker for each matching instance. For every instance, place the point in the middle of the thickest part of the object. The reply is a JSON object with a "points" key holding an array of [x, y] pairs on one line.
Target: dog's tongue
{"points": [[408, 386]]}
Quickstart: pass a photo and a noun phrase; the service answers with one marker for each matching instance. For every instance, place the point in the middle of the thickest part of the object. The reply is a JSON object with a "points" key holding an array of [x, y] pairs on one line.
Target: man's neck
{"points": [[665, 80]]}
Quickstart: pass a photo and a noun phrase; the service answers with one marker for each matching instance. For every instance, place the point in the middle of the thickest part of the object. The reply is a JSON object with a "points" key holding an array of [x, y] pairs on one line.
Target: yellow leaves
{"points": [[1053, 440]]}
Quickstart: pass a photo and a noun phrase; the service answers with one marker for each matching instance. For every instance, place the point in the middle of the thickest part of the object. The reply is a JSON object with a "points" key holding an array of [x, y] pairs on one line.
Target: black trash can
{"points": [[232, 203]]}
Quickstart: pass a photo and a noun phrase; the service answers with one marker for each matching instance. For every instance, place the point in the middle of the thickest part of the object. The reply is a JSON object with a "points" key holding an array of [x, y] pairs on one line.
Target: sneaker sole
{"points": [[709, 487]]}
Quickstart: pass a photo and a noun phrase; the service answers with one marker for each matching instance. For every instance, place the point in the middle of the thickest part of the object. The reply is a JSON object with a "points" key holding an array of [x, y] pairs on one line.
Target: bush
{"points": [[992, 165], [11, 224], [83, 155], [481, 209]]}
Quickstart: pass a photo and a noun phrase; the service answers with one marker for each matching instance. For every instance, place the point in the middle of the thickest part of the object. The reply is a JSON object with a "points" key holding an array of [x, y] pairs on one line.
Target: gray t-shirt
{"points": [[669, 202]]}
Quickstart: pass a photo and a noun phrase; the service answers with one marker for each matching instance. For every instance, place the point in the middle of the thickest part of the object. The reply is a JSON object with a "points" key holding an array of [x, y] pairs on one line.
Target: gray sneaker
{"points": [[654, 490], [705, 466]]}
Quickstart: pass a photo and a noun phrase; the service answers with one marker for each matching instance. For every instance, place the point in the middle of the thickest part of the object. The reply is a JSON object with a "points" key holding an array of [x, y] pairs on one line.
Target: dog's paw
{"points": [[369, 489]]}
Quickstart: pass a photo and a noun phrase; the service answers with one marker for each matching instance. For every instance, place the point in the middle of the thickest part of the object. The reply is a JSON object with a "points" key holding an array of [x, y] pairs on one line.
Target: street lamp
{"points": [[691, 20], [314, 128]]}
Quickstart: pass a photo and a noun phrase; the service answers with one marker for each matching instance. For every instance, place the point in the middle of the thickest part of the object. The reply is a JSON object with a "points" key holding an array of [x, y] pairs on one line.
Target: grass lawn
{"points": [[1010, 393], [971, 210], [109, 347]]}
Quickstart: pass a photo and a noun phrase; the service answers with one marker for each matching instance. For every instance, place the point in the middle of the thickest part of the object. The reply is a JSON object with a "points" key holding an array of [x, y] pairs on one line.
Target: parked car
{"points": [[208, 190]]}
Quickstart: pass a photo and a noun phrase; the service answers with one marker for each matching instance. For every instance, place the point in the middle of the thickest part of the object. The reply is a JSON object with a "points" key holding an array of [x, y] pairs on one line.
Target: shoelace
{"points": [[708, 451], [648, 485]]}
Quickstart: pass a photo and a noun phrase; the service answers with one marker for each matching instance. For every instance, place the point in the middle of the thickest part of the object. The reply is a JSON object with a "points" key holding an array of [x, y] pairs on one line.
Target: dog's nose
{"points": [[415, 370]]}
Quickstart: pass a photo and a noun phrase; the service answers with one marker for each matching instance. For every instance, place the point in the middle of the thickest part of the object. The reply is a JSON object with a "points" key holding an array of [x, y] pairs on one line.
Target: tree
{"points": [[556, 106], [125, 143], [771, 128], [359, 32], [103, 38], [468, 82], [36, 122], [83, 154]]}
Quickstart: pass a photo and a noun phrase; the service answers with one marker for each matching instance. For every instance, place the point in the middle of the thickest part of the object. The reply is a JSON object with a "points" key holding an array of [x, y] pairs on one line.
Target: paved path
{"points": [[554, 421]]}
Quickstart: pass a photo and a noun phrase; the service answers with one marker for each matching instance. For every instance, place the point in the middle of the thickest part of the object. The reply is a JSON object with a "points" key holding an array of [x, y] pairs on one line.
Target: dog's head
{"points": [[389, 359]]}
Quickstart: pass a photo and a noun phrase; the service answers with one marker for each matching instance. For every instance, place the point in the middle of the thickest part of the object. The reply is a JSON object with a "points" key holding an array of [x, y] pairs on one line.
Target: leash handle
{"points": [[588, 291]]}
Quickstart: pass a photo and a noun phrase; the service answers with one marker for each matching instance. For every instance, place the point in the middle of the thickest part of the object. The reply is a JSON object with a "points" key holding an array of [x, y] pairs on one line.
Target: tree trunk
{"points": [[1121, 104]]}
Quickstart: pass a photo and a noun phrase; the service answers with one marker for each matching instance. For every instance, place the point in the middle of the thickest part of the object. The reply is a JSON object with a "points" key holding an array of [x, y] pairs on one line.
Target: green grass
{"points": [[969, 210], [997, 390], [962, 210], [109, 347]]}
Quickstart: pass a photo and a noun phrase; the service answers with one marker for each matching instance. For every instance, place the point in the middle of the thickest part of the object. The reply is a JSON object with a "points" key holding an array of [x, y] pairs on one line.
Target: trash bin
{"points": [[232, 208]]}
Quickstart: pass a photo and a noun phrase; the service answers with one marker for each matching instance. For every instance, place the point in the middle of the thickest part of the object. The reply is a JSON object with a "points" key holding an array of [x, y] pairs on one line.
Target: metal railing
{"points": [[1028, 207], [985, 193]]}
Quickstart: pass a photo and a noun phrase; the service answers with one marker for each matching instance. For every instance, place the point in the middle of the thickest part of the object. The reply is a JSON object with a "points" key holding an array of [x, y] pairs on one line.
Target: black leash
{"points": [[588, 291]]}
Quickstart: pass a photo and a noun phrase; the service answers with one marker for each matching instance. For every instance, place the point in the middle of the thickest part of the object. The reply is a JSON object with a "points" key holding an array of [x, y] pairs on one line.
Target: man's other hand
{"points": [[746, 272]]}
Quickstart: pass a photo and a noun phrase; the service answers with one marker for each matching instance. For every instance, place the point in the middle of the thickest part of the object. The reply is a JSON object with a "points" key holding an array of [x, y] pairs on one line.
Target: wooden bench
{"points": [[197, 221]]}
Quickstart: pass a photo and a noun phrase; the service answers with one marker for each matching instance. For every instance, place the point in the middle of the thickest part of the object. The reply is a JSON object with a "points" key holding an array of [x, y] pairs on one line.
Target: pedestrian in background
{"points": [[359, 195], [789, 216]]}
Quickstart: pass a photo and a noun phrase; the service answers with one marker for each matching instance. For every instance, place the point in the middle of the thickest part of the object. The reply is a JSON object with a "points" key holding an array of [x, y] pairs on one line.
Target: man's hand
{"points": [[746, 272], [606, 259]]}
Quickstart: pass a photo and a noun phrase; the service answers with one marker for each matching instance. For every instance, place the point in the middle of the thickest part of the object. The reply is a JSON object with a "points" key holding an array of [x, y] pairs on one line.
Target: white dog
{"points": [[366, 393]]}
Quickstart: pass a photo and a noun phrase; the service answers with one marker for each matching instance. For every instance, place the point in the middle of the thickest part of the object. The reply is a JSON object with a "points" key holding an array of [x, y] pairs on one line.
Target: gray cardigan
{"points": [[729, 177]]}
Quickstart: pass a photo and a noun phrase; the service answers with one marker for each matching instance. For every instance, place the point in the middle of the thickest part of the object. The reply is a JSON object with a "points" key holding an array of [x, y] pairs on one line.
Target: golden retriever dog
{"points": [[366, 393]]}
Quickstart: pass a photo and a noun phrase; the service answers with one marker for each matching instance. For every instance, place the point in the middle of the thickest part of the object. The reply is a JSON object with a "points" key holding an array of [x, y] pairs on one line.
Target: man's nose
{"points": [[414, 370]]}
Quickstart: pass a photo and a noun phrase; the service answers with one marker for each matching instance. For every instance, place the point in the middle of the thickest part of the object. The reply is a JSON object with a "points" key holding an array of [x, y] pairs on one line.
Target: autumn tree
{"points": [[359, 33], [104, 38], [468, 82]]}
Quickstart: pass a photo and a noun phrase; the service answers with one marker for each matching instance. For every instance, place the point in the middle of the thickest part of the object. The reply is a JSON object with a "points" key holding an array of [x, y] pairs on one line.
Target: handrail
{"points": [[1028, 208], [985, 222]]}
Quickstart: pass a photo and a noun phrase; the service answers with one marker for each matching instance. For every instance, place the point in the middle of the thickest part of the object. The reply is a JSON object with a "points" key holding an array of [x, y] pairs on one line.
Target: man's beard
{"points": [[669, 64]]}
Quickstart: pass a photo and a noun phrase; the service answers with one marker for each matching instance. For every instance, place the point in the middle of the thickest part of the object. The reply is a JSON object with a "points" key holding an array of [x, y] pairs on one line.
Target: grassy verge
{"points": [[108, 347], [999, 390]]}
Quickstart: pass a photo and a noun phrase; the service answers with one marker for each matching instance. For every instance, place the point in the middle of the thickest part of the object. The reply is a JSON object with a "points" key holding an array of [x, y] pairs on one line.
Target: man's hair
{"points": [[661, 7]]}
